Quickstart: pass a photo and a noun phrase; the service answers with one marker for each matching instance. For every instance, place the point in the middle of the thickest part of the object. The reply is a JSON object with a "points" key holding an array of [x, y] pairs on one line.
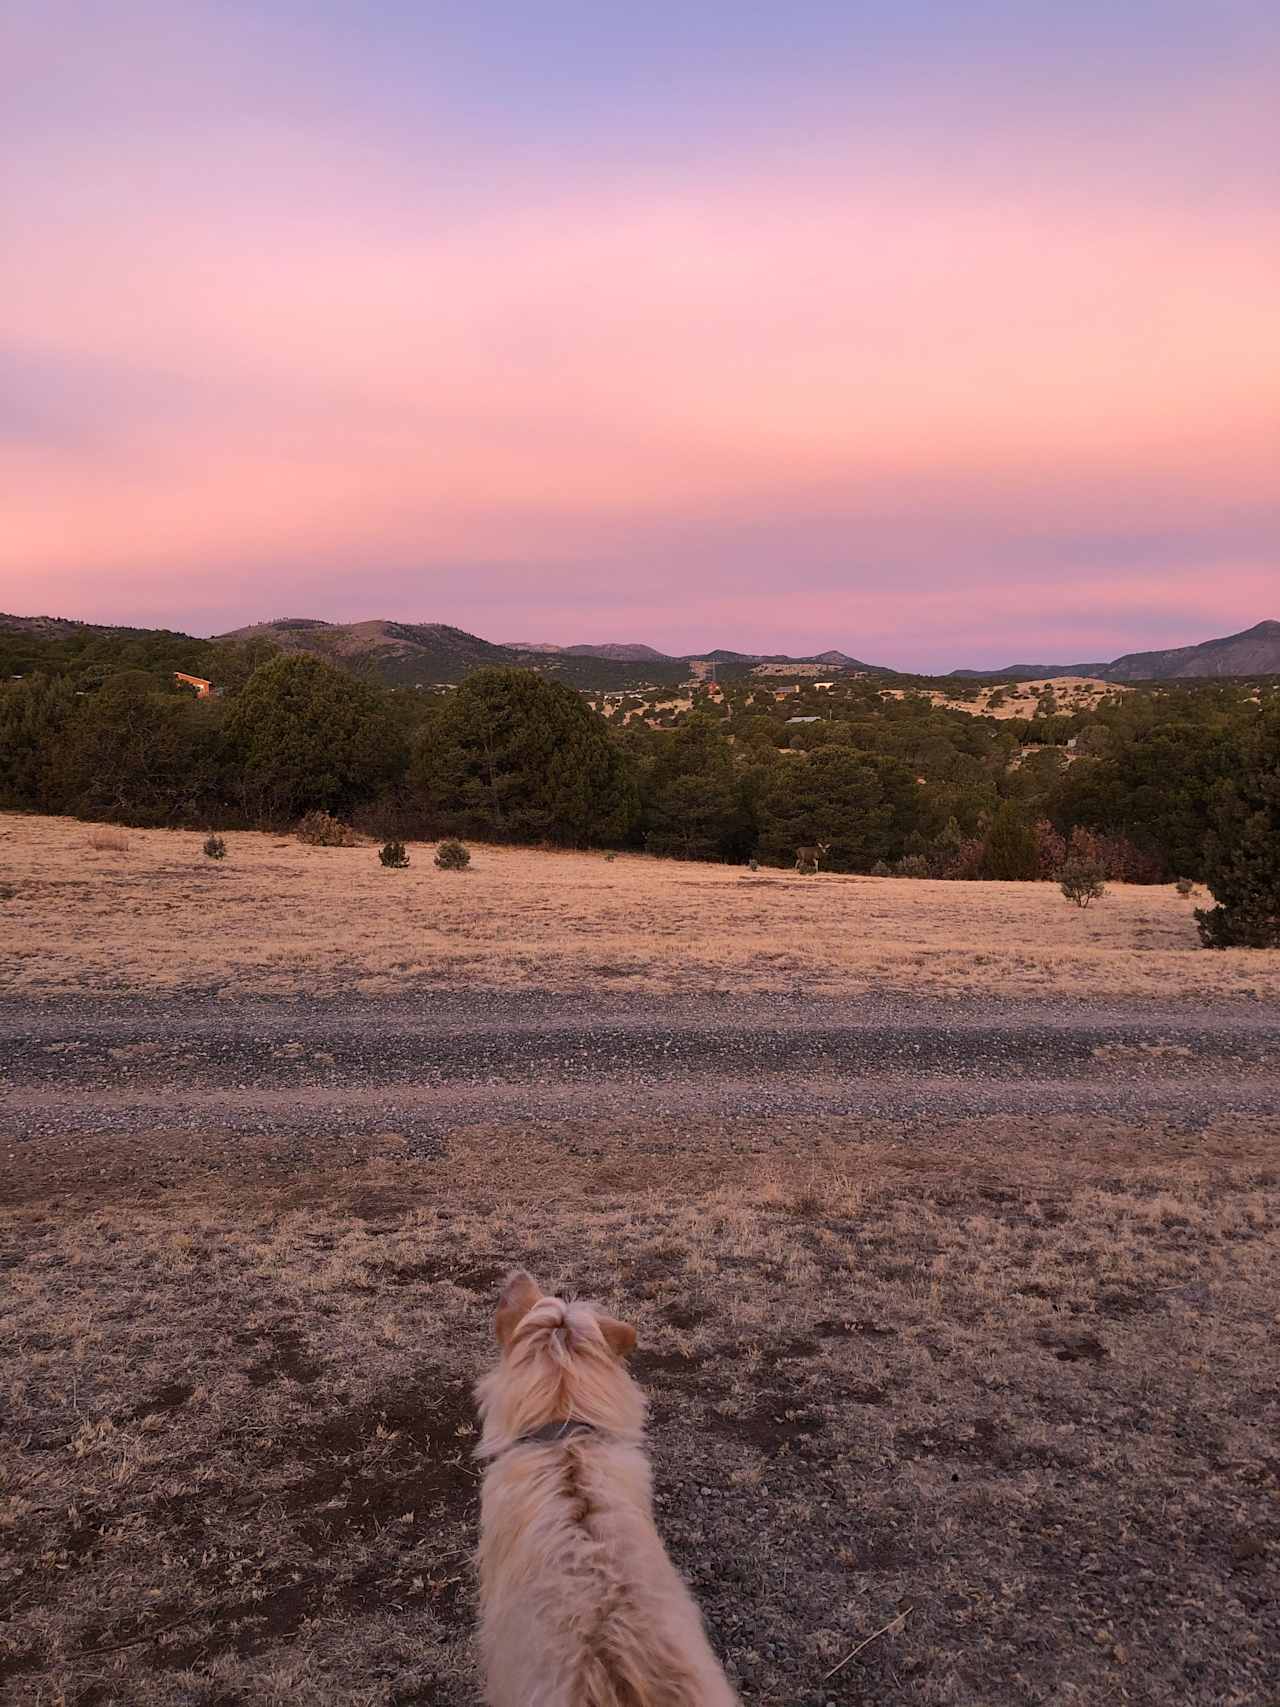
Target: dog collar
{"points": [[550, 1432]]}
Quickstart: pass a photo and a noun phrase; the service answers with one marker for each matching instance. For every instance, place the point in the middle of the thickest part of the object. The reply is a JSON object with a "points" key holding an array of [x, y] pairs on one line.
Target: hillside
{"points": [[1253, 652], [621, 652], [1033, 672], [408, 654], [424, 654]]}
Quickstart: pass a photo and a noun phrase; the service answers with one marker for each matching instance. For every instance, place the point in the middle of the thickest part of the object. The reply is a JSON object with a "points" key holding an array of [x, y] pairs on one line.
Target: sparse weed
{"points": [[323, 830], [215, 847], [912, 865], [109, 841]]}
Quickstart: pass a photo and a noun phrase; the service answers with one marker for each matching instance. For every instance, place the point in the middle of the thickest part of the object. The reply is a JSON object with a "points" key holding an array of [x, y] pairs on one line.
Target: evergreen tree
{"points": [[1242, 855], [1010, 852], [692, 796], [138, 754], [515, 757], [33, 715], [310, 737], [863, 805]]}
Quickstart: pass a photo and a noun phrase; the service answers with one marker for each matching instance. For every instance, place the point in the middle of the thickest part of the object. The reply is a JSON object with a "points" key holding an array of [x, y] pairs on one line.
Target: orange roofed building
{"points": [[204, 689]]}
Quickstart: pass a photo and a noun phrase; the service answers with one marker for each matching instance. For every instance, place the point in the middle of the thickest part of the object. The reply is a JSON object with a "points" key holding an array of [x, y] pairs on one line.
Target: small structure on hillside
{"points": [[204, 689]]}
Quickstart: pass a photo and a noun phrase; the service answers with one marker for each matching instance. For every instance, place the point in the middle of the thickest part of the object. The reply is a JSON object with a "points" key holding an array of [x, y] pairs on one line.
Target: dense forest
{"points": [[1148, 785]]}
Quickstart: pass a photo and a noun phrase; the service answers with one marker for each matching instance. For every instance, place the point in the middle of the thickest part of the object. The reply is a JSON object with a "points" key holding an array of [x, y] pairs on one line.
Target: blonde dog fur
{"points": [[580, 1605]]}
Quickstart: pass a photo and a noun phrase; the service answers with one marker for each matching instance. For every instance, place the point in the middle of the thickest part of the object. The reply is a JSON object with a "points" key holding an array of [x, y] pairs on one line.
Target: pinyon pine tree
{"points": [[1242, 852], [1010, 851], [518, 758], [310, 737]]}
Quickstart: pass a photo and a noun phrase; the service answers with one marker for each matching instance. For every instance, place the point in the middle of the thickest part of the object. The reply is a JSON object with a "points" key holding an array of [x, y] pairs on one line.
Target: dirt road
{"points": [[426, 1067]]}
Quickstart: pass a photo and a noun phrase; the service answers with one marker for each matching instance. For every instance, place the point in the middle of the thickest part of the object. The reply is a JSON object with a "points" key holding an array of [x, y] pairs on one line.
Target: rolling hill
{"points": [[411, 654], [422, 654], [1253, 652], [425, 654]]}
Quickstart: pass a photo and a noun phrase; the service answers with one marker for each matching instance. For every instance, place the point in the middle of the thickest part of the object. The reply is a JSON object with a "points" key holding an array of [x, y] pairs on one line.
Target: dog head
{"points": [[521, 1296], [559, 1359]]}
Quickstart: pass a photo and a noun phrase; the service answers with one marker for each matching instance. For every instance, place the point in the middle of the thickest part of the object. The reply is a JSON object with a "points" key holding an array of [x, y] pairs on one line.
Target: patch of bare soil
{"points": [[1022, 1387]]}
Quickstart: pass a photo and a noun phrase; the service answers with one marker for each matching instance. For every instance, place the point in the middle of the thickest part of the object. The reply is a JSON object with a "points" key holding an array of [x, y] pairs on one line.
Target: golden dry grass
{"points": [[276, 917]]}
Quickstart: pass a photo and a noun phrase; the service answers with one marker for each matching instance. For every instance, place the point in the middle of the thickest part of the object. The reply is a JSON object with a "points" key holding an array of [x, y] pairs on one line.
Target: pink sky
{"points": [[822, 394]]}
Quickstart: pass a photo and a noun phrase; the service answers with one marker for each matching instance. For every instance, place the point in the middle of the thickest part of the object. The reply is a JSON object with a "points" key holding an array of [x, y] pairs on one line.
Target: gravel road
{"points": [[425, 1066]]}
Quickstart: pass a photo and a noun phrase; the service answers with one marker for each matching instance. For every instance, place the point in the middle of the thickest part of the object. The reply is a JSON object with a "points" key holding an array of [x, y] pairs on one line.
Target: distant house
{"points": [[204, 689], [823, 684], [804, 720]]}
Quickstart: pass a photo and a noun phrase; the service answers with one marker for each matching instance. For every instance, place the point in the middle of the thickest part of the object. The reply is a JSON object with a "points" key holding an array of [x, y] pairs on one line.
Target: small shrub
{"points": [[880, 869], [7, 891], [393, 856], [1185, 887], [452, 856], [323, 830], [1082, 881], [753, 865], [215, 847], [109, 841], [611, 855], [912, 865]]}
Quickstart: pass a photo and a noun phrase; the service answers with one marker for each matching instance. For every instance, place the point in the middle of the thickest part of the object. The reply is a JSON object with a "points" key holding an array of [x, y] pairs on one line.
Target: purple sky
{"points": [[942, 335]]}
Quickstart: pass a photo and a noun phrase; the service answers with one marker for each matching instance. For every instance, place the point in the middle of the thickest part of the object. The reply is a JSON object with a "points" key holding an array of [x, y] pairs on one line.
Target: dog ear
{"points": [[620, 1337], [520, 1292]]}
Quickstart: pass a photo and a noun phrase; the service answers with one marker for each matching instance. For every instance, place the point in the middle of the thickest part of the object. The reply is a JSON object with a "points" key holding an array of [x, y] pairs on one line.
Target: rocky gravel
{"points": [[300, 1068]]}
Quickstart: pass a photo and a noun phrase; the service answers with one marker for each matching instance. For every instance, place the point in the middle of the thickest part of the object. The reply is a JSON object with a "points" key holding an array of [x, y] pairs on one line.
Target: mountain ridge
{"points": [[1251, 652], [431, 654]]}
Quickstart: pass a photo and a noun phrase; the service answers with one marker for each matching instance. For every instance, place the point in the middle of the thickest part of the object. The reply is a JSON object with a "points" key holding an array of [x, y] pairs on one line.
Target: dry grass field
{"points": [[1023, 1388], [277, 917]]}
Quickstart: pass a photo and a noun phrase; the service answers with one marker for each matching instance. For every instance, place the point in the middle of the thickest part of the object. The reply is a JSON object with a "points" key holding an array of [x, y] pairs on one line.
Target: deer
{"points": [[807, 857]]}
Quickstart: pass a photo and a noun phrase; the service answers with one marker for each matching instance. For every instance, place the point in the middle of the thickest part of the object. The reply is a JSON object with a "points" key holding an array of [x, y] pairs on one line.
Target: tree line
{"points": [[1149, 786]]}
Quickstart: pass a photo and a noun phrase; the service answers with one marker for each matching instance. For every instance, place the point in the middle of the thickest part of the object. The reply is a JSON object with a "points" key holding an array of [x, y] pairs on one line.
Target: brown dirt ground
{"points": [[1026, 1386], [276, 918]]}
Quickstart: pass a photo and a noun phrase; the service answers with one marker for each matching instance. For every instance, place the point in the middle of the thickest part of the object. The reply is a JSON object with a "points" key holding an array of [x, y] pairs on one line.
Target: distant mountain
{"points": [[837, 660], [65, 626], [414, 654], [400, 652], [1253, 652], [626, 652], [1036, 672], [622, 652], [422, 653], [427, 653]]}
